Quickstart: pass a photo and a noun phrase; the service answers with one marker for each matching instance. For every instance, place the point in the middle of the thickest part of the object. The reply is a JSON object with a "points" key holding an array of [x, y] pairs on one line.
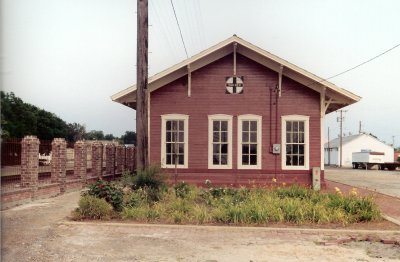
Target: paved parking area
{"points": [[385, 182]]}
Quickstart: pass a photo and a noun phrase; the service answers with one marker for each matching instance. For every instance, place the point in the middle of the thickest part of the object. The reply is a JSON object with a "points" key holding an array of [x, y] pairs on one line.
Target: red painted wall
{"points": [[208, 97]]}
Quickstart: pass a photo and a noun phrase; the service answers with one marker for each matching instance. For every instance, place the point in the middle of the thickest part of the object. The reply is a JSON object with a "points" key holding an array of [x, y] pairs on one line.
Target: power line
{"points": [[354, 67], [180, 32], [164, 28]]}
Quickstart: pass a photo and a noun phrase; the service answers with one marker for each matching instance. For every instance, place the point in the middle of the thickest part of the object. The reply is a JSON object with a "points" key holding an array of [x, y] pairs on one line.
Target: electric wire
{"points": [[165, 29], [354, 67], [179, 27]]}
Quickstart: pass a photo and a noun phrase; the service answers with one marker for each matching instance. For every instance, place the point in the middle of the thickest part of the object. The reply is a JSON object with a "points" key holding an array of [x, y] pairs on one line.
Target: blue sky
{"points": [[70, 56]]}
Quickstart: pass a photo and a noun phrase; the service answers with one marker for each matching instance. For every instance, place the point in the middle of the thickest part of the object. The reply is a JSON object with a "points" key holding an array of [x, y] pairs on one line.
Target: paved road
{"points": [[40, 231], [385, 182]]}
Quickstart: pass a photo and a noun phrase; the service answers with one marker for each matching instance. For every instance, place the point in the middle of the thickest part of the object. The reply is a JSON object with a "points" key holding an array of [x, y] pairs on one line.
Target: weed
{"points": [[108, 191], [91, 207]]}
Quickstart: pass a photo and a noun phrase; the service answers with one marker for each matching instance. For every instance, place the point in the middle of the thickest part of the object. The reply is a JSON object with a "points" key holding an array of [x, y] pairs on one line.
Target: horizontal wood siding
{"points": [[208, 97]]}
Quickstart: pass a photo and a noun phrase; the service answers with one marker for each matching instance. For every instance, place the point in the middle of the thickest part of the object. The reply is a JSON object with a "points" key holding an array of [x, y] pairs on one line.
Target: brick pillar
{"points": [[120, 159], [97, 159], [110, 159], [130, 158], [80, 160], [123, 156], [59, 162], [30, 162]]}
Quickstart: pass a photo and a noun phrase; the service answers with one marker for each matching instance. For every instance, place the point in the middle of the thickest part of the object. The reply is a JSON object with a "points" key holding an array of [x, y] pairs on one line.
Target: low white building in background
{"points": [[355, 143]]}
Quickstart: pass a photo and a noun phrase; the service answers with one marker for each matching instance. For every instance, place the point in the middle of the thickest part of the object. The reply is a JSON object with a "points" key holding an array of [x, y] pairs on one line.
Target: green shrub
{"points": [[136, 198], [187, 204], [182, 189], [108, 191], [151, 177], [142, 196], [128, 179], [91, 207]]}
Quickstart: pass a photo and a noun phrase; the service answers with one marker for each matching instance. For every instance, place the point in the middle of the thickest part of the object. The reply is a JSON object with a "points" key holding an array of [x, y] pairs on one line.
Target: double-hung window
{"points": [[220, 141], [174, 141], [249, 141], [295, 142]]}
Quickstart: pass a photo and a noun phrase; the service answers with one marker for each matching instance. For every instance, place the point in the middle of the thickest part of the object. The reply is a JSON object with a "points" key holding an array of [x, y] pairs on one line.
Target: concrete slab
{"points": [[385, 182]]}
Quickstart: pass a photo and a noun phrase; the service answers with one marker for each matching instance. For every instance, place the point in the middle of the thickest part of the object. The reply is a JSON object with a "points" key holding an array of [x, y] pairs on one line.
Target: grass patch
{"points": [[186, 204]]}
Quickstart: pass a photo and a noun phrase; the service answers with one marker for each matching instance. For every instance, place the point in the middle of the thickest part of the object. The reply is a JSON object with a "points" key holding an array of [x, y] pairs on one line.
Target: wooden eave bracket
{"points": [[234, 58], [189, 80], [280, 80], [327, 103]]}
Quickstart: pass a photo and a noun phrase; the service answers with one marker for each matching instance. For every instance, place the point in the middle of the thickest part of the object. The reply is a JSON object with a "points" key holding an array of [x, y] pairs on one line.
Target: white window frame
{"points": [[164, 119], [249, 117], [211, 119], [306, 120]]}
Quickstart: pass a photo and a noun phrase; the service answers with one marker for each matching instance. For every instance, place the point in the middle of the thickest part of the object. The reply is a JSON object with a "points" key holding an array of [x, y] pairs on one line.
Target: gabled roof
{"points": [[336, 96], [334, 143]]}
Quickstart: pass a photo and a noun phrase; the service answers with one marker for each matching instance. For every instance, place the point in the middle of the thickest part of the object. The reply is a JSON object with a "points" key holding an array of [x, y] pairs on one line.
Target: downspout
{"points": [[276, 128], [278, 94]]}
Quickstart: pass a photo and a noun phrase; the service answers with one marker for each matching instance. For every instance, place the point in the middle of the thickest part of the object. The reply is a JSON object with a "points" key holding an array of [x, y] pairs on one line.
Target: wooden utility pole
{"points": [[340, 120], [142, 160], [329, 149]]}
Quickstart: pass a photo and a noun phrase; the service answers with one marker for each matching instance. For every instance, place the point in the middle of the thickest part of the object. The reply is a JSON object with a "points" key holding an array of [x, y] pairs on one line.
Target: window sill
{"points": [[295, 168], [249, 167], [219, 167], [173, 166]]}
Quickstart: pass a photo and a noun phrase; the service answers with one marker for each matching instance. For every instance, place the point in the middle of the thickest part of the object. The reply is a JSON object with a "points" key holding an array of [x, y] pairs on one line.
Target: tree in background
{"points": [[76, 132], [109, 137], [95, 135], [20, 119], [129, 137]]}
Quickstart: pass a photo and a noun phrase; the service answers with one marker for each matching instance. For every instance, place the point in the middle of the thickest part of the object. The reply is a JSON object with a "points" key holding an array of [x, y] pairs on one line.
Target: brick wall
{"points": [[130, 160], [29, 188], [120, 161], [110, 159], [30, 162], [59, 162], [97, 159], [80, 160]]}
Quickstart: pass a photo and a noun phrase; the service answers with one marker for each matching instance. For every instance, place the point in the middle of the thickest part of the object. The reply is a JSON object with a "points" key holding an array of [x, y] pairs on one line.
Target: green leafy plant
{"points": [[150, 177], [182, 189], [184, 203], [107, 191], [128, 179], [91, 207]]}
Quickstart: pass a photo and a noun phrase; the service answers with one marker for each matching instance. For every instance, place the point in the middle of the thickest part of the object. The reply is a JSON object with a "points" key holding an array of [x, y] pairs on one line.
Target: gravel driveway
{"points": [[40, 231]]}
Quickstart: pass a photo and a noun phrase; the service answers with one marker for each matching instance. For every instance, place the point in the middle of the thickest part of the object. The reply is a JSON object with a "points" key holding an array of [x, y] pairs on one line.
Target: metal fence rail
{"points": [[11, 163], [11, 152]]}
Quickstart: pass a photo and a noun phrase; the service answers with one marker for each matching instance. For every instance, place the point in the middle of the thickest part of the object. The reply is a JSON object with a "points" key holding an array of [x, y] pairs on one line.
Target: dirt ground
{"points": [[40, 231]]}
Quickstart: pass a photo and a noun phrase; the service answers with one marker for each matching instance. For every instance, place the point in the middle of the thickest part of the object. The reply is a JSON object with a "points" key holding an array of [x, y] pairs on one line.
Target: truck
{"points": [[369, 159]]}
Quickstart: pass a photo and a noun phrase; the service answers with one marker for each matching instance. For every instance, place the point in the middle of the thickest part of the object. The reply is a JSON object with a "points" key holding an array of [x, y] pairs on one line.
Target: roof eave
{"points": [[343, 97]]}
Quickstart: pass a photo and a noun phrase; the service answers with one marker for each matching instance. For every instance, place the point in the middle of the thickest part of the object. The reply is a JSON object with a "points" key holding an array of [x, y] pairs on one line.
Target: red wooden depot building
{"points": [[237, 114]]}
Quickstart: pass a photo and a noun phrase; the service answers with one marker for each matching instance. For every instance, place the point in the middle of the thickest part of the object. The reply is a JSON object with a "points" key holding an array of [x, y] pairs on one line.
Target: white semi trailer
{"points": [[368, 159]]}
